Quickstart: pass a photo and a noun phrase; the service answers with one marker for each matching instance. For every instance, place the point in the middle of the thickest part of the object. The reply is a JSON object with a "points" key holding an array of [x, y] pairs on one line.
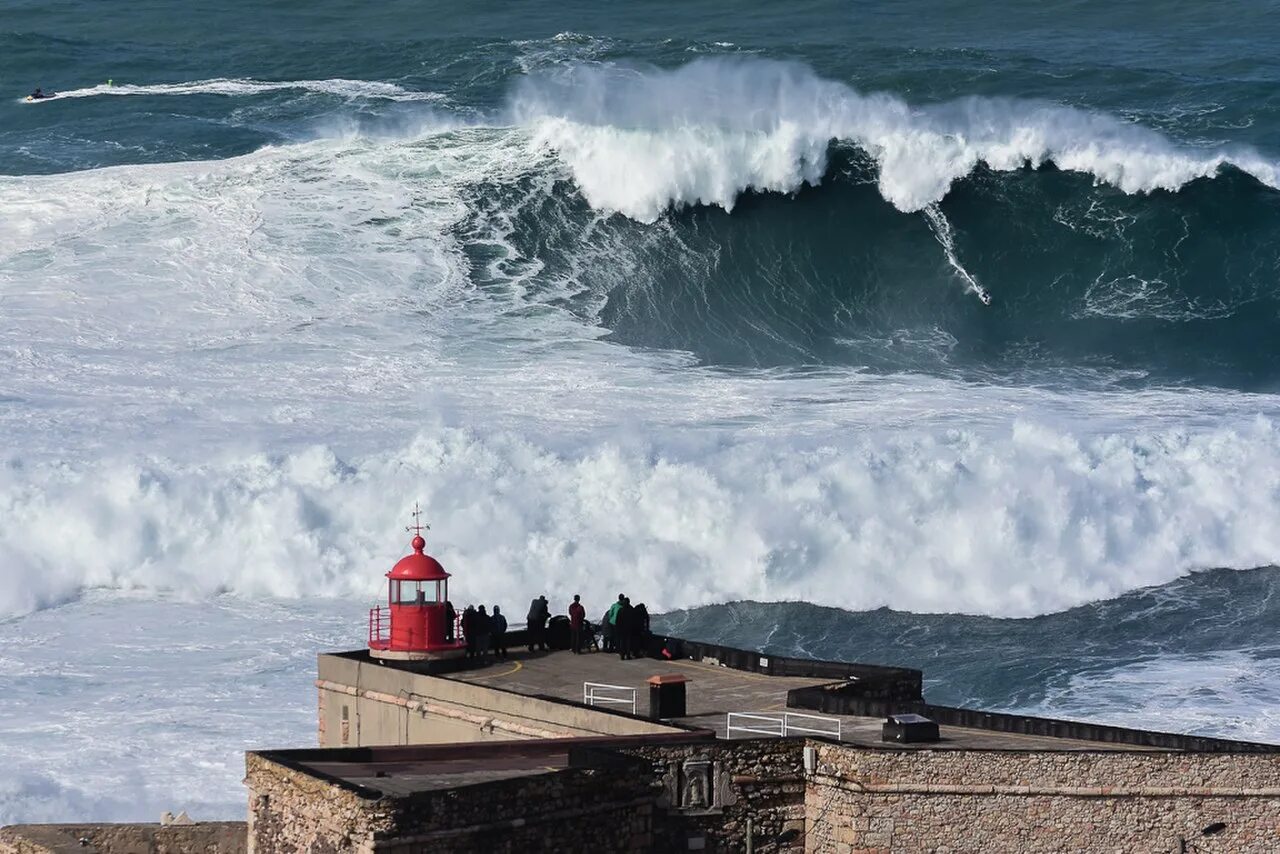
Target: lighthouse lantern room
{"points": [[415, 624]]}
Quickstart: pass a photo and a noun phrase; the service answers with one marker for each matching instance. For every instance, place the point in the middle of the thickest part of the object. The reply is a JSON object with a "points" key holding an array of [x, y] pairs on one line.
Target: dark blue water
{"points": [[1125, 659]]}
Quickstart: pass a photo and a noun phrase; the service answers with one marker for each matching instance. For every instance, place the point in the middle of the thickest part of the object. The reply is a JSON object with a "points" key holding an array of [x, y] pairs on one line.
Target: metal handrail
{"points": [[788, 727], [773, 719], [590, 696], [376, 625], [780, 725]]}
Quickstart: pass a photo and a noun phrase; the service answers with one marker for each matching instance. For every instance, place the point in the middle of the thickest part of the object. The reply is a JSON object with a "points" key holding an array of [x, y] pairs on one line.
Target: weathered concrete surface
{"points": [[1039, 801], [206, 837], [365, 703]]}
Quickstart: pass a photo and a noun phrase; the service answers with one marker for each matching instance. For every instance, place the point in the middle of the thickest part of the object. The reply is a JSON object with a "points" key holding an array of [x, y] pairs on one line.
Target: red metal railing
{"points": [[379, 629]]}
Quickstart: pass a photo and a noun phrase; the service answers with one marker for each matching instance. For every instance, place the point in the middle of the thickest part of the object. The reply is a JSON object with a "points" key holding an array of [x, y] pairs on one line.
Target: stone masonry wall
{"points": [[997, 801], [761, 780], [292, 811], [581, 809], [573, 810]]}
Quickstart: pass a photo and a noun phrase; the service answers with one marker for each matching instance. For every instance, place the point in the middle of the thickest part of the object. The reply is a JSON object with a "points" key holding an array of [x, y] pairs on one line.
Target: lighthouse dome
{"points": [[418, 566]]}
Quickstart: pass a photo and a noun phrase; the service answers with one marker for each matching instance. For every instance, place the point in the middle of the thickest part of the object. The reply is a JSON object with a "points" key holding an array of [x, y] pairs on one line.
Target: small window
{"points": [[408, 592]]}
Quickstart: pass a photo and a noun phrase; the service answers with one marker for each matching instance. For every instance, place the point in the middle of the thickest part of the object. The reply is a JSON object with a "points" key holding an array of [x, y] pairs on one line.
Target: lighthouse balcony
{"points": [[414, 633]]}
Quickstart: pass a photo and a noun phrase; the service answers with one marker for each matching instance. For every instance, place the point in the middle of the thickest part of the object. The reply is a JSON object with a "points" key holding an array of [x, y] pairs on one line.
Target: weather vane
{"points": [[417, 527]]}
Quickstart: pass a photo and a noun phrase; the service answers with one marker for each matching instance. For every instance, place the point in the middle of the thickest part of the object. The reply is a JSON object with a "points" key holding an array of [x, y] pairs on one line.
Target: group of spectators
{"points": [[485, 634], [624, 628]]}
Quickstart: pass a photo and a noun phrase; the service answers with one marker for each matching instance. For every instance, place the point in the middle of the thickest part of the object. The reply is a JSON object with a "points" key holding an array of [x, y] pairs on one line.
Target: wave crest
{"points": [[639, 140]]}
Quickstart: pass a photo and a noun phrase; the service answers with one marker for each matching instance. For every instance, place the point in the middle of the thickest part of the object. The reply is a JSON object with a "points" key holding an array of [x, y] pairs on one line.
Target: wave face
{"points": [[1087, 242], [1197, 654]]}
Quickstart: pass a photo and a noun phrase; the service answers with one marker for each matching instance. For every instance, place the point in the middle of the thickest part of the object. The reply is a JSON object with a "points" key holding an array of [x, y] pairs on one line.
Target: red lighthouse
{"points": [[414, 624]]}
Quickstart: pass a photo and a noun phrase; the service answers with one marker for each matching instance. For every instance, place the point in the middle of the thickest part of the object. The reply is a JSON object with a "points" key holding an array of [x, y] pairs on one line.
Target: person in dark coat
{"points": [[622, 629], [469, 630], [536, 620], [484, 634], [577, 616], [499, 633], [450, 620], [639, 631]]}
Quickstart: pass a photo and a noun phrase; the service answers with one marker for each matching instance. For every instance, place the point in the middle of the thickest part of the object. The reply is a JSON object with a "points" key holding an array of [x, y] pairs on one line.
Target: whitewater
{"points": [[229, 369]]}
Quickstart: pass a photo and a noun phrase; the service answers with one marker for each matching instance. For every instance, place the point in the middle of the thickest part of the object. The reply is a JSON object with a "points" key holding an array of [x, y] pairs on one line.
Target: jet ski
{"points": [[40, 95]]}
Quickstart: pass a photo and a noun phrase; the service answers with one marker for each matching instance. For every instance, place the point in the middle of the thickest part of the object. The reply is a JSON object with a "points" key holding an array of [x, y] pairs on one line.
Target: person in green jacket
{"points": [[611, 624]]}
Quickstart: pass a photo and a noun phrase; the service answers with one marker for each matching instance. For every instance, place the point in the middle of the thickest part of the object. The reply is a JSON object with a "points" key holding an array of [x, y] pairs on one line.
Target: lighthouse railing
{"points": [[379, 629]]}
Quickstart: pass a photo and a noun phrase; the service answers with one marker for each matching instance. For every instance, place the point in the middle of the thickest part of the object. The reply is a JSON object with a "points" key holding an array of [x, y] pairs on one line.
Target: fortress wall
{"points": [[587, 810], [293, 811], [970, 801], [757, 783], [389, 706]]}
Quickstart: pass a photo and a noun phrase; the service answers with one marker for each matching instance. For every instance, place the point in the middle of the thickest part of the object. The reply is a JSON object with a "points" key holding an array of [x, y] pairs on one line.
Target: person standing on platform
{"points": [[469, 629], [450, 618], [536, 620], [610, 623], [622, 628], [499, 633], [577, 616], [640, 631], [484, 629]]}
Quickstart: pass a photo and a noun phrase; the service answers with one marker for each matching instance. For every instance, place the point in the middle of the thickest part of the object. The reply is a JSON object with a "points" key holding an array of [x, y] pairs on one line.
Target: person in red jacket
{"points": [[577, 615]]}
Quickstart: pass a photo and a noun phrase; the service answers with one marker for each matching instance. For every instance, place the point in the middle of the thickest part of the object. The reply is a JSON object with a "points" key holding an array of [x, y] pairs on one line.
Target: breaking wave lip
{"points": [[245, 86], [640, 140]]}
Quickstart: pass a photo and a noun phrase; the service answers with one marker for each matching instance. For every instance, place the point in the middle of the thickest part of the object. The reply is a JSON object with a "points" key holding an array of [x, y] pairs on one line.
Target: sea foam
{"points": [[1013, 522]]}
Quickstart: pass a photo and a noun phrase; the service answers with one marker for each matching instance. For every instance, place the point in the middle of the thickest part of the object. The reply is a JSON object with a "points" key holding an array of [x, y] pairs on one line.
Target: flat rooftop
{"points": [[398, 771], [713, 691]]}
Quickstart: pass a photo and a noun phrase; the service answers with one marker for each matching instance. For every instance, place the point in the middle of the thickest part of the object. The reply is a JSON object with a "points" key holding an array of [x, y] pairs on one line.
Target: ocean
{"points": [[923, 333]]}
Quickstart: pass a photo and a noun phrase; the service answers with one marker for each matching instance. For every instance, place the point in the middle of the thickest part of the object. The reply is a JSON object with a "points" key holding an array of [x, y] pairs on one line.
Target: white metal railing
{"points": [[809, 724], [757, 724], [788, 723], [594, 693]]}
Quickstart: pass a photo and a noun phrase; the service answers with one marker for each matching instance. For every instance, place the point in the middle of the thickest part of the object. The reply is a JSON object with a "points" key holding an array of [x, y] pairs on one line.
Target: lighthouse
{"points": [[414, 624]]}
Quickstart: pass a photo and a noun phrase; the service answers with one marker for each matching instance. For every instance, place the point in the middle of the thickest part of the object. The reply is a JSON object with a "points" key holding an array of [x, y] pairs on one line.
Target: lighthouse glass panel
{"points": [[407, 592]]}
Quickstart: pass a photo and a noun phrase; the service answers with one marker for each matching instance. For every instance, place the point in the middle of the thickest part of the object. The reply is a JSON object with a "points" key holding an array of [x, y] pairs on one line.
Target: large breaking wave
{"points": [[640, 140]]}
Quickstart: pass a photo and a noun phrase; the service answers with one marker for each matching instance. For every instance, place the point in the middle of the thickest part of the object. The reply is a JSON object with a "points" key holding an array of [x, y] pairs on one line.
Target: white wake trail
{"points": [[945, 235], [244, 86]]}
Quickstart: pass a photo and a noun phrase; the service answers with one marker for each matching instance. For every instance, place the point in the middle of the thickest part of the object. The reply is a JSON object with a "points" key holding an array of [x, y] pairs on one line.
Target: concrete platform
{"points": [[714, 691]]}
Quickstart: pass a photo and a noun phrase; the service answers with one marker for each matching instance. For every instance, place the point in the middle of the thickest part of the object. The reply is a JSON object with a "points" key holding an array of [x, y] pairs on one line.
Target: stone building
{"points": [[692, 747], [572, 753]]}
